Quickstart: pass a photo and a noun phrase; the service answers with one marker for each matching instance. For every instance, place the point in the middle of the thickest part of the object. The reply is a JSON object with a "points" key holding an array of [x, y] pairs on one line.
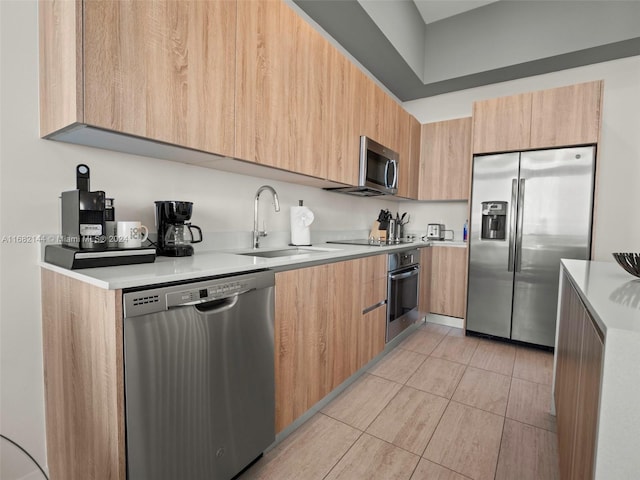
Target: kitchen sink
{"points": [[287, 252]]}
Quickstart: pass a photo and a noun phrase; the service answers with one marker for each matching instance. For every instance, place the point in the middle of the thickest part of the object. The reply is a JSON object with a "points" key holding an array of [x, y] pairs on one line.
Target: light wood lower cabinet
{"points": [[321, 335], [577, 386], [83, 379], [449, 281]]}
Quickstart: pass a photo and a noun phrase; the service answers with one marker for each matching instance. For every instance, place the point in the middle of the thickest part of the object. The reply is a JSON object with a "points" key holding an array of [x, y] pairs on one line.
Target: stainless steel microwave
{"points": [[378, 173]]}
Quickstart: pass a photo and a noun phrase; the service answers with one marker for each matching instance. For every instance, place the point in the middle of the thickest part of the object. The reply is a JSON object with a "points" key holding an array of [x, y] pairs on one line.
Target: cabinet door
{"points": [[162, 70], [448, 281], [570, 332], [341, 125], [372, 325], [588, 401], [301, 337], [502, 124], [445, 164], [344, 319], [298, 99], [424, 300], [566, 116], [409, 171]]}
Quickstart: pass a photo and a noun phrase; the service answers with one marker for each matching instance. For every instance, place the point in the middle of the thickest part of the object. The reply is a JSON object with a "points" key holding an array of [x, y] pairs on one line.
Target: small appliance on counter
{"points": [[172, 222], [301, 219], [83, 215], [85, 241], [436, 231]]}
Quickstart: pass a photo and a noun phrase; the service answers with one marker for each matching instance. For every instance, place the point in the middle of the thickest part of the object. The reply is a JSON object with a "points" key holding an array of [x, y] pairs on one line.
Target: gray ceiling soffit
{"points": [[602, 53], [348, 23]]}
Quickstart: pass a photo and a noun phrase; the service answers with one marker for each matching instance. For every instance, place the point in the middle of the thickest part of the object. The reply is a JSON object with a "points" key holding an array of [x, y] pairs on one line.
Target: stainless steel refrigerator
{"points": [[528, 210]]}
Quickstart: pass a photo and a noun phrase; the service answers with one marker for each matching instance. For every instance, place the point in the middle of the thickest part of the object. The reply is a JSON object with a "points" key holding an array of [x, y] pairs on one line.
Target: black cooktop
{"points": [[371, 243]]}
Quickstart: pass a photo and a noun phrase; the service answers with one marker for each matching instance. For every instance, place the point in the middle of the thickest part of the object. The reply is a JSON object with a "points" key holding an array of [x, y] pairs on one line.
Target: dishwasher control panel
{"points": [[206, 294], [193, 293]]}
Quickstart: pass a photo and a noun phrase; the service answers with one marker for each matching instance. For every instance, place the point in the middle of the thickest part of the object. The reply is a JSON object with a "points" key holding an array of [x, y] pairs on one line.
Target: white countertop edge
{"points": [[607, 314], [216, 263]]}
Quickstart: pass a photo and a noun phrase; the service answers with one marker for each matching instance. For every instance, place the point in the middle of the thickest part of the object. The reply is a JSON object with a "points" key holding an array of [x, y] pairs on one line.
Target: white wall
{"points": [[616, 227]]}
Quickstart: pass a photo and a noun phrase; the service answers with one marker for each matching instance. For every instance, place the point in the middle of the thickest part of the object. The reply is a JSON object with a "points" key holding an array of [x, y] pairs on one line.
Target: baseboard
{"points": [[444, 320]]}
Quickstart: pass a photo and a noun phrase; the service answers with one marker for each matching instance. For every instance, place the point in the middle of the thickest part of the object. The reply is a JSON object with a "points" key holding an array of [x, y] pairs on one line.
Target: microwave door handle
{"points": [[394, 184]]}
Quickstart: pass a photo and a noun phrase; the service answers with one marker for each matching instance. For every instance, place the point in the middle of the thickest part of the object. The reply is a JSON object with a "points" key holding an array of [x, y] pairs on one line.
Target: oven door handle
{"points": [[400, 276]]}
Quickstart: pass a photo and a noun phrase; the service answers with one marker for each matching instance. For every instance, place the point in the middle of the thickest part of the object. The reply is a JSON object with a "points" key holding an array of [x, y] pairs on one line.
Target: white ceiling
{"points": [[434, 10]]}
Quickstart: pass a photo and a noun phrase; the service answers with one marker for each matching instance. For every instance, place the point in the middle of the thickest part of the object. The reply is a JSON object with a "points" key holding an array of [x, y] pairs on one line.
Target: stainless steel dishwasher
{"points": [[199, 377]]}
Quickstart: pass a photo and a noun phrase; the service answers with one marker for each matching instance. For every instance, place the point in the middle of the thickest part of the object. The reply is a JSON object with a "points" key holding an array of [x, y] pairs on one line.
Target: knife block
{"points": [[377, 233]]}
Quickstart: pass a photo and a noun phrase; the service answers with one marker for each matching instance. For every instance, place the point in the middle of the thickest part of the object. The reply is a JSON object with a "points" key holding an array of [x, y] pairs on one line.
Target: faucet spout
{"points": [[257, 233]]}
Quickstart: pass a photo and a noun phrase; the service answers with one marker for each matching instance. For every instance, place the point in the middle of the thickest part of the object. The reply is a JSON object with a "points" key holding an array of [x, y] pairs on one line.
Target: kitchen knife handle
{"points": [[512, 223], [519, 226]]}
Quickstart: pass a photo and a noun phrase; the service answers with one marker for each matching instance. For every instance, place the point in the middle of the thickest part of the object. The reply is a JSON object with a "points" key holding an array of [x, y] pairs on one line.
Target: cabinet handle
{"points": [[373, 307]]}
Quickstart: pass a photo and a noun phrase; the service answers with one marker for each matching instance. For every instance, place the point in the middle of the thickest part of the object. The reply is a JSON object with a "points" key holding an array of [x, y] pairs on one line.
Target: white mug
{"points": [[130, 234]]}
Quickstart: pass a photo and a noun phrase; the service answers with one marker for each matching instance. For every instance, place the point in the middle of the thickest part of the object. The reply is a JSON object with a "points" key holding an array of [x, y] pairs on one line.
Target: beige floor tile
{"points": [[484, 390], [398, 365], [456, 332], [456, 349], [530, 403], [467, 441], [374, 459], [430, 471], [533, 365], [310, 452], [495, 356], [437, 376], [436, 328], [361, 403], [527, 453], [409, 420], [422, 341]]}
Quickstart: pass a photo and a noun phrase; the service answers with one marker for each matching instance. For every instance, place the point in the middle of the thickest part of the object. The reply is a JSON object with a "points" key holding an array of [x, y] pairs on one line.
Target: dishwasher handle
{"points": [[217, 306]]}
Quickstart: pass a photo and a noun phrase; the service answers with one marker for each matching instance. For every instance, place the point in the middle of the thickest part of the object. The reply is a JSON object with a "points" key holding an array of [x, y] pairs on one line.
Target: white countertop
{"points": [[213, 263], [611, 295]]}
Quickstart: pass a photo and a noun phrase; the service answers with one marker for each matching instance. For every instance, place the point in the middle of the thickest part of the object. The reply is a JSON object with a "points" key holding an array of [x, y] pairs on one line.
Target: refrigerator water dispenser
{"points": [[494, 220]]}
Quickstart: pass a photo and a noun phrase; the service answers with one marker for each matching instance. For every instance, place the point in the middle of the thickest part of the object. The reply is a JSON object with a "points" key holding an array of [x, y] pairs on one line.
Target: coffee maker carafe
{"points": [[175, 233]]}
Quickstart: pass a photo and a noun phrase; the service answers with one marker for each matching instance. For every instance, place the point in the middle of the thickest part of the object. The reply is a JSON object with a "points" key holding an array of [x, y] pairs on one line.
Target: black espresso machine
{"points": [[172, 221]]}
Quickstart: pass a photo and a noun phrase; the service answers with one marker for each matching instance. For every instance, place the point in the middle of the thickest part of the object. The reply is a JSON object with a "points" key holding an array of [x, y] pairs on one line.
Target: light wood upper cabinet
{"points": [[409, 170], [566, 116], [158, 70], [445, 163], [297, 97], [502, 124], [449, 281], [556, 117]]}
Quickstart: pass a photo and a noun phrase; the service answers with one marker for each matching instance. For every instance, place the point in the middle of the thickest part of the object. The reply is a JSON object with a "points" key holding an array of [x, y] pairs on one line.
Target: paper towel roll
{"points": [[301, 218]]}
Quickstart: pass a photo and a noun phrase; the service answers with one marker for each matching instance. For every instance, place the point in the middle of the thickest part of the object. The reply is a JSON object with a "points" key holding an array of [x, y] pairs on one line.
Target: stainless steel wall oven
{"points": [[402, 291]]}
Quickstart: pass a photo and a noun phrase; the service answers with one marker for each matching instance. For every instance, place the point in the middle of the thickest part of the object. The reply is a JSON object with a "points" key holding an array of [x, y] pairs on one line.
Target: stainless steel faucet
{"points": [[276, 205]]}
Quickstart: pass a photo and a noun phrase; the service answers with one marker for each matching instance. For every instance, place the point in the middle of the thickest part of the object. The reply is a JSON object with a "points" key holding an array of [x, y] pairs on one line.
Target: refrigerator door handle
{"points": [[512, 223], [520, 226]]}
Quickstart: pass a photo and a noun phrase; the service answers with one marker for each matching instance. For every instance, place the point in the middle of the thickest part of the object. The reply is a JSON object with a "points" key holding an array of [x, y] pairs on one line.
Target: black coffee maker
{"points": [[83, 215], [172, 221]]}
